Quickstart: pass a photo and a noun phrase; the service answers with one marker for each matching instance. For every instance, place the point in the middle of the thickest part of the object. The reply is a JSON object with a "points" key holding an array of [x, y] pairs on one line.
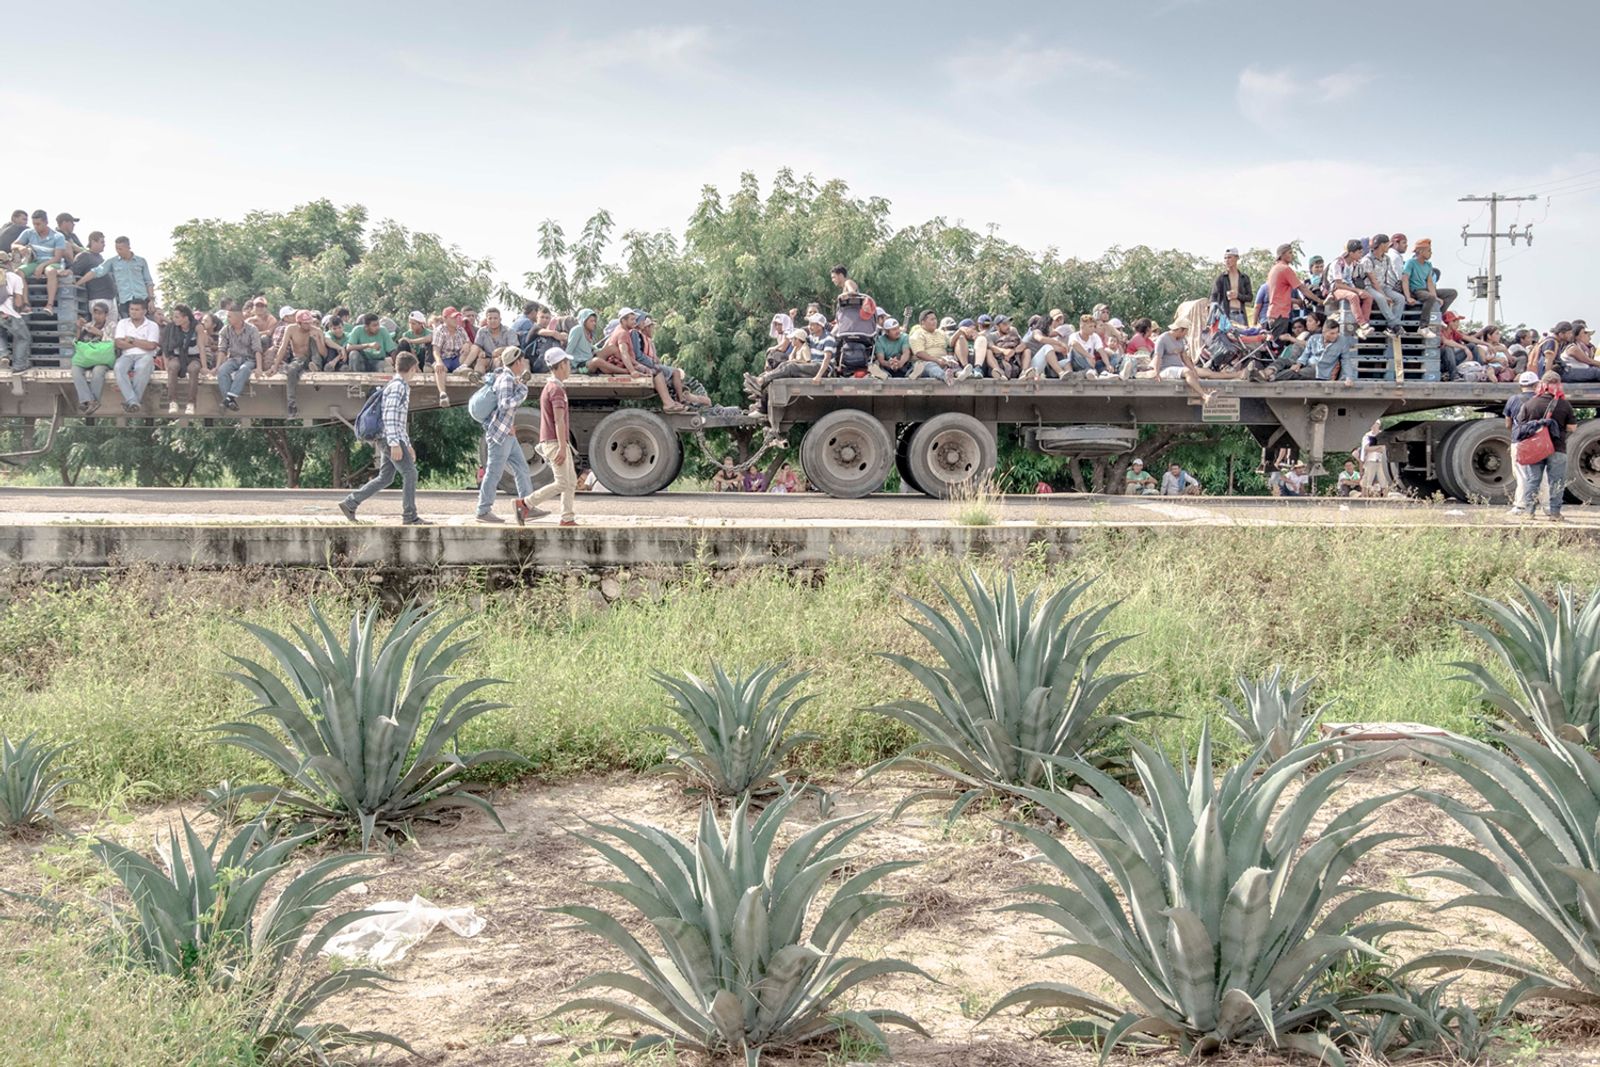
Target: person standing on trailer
{"points": [[396, 454], [500, 445]]}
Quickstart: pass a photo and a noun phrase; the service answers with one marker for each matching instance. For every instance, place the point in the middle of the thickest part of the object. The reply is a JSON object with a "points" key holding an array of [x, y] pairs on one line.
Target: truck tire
{"points": [[847, 453], [950, 451], [527, 431], [634, 452], [1476, 465], [1583, 462], [907, 478]]}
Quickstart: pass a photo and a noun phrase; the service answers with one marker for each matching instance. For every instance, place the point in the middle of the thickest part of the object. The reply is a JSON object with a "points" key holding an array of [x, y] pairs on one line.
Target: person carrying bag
{"points": [[1539, 446]]}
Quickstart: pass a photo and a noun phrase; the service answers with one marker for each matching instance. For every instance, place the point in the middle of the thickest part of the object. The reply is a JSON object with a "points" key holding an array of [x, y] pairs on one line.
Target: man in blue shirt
{"points": [[49, 253], [130, 274]]}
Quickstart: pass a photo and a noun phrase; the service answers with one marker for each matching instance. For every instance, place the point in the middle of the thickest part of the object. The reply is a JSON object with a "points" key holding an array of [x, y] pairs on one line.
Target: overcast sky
{"points": [[1192, 124]]}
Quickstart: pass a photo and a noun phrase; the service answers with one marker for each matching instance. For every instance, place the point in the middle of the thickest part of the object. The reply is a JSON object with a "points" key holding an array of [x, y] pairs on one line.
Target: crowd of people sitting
{"points": [[1295, 325]]}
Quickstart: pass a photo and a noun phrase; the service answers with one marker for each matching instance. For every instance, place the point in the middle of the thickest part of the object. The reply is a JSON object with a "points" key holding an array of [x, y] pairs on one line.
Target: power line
{"points": [[1543, 186]]}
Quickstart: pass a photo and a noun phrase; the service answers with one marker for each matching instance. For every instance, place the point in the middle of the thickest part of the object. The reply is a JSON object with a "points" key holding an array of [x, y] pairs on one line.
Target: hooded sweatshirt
{"points": [[580, 343]]}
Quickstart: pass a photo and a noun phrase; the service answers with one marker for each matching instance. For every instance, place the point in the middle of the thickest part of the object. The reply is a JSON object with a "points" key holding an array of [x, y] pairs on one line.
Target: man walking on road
{"points": [[398, 455], [500, 444], [553, 434]]}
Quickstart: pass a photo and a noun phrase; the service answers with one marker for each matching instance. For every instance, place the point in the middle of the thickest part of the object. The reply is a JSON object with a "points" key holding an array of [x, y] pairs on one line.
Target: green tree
{"points": [[404, 271], [266, 252]]}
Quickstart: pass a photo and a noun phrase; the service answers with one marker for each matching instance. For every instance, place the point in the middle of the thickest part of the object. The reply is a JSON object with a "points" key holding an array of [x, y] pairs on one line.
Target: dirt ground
{"points": [[482, 1001]]}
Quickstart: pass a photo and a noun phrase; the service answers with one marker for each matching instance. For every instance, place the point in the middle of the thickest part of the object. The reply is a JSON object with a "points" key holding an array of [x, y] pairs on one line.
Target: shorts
{"points": [[30, 268], [1171, 374], [450, 363]]}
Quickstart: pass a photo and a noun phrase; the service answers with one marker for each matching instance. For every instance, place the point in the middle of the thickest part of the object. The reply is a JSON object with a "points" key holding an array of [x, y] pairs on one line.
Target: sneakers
{"points": [[131, 408], [415, 521], [348, 510], [1364, 331], [85, 407], [188, 409], [568, 522], [489, 518], [1558, 517], [231, 402], [521, 511], [1516, 513], [294, 409], [172, 408], [1430, 335]]}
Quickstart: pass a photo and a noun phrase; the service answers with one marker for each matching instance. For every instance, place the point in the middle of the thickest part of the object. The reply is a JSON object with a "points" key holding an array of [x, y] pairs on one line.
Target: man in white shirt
{"points": [[1086, 345], [138, 340], [16, 343], [1396, 256]]}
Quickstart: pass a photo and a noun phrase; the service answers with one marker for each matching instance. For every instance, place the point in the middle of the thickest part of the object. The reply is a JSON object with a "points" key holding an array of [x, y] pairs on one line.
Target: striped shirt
{"points": [[509, 395], [396, 411]]}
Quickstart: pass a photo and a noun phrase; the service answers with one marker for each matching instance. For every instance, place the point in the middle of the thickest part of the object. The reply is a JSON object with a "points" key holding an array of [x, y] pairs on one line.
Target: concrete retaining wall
{"points": [[532, 549]]}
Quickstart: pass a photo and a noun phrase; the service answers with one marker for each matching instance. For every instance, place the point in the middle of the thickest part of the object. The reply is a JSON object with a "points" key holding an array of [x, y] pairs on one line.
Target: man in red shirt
{"points": [[1282, 283], [554, 443]]}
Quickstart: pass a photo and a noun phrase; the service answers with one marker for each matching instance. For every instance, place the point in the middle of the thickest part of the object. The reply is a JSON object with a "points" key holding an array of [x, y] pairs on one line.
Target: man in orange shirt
{"points": [[1283, 281]]}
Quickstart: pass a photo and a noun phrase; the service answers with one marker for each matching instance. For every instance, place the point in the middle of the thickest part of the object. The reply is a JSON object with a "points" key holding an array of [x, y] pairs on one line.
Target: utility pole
{"points": [[1494, 200]]}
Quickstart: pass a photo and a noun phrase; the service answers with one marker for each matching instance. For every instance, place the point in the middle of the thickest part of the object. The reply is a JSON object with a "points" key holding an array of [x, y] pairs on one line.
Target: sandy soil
{"points": [[483, 1001]]}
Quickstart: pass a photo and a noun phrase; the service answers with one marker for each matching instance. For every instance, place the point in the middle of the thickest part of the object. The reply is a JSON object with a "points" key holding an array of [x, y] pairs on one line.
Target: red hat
{"points": [[451, 313], [1451, 316]]}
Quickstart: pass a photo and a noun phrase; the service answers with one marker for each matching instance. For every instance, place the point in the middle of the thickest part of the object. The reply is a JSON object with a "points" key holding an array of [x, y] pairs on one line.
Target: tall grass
{"points": [[125, 669]]}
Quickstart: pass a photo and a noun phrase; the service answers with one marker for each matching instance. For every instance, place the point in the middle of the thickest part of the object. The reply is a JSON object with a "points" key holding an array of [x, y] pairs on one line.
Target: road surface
{"points": [[30, 506]]}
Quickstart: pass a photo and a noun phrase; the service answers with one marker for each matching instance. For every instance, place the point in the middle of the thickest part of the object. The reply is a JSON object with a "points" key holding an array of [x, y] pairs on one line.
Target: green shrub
{"points": [[31, 783], [1553, 654], [739, 725], [1272, 715], [1216, 920], [350, 722], [739, 971], [1019, 686], [199, 915]]}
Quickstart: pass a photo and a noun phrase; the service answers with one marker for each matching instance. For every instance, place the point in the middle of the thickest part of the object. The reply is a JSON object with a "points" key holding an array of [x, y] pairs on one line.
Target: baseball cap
{"points": [[644, 318], [1117, 323], [1231, 252], [64, 217], [625, 312], [1562, 327], [1056, 313], [416, 316], [510, 354], [948, 322], [1527, 377], [552, 356], [817, 320], [285, 312], [304, 317], [1138, 462], [452, 313], [891, 324], [998, 319], [964, 323], [985, 320]]}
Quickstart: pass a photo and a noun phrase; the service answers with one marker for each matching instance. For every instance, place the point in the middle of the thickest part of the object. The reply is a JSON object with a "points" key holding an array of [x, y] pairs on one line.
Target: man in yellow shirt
{"points": [[930, 347]]}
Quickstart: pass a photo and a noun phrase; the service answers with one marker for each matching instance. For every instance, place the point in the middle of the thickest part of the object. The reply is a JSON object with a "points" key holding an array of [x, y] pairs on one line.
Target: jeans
{"points": [[506, 450], [20, 342], [90, 383], [1389, 304], [566, 480], [934, 371], [233, 376], [1553, 468], [407, 467], [292, 369], [1428, 305], [1580, 372], [132, 372]]}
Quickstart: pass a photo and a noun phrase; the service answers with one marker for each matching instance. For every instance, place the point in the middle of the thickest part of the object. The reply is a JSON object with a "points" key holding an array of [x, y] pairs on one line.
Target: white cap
{"points": [[416, 316], [817, 320], [891, 324], [1528, 378], [1117, 323], [1231, 252], [625, 312], [552, 356], [285, 312]]}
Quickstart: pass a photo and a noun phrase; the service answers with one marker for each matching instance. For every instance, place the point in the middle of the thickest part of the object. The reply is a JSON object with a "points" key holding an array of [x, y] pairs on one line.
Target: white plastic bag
{"points": [[385, 938]]}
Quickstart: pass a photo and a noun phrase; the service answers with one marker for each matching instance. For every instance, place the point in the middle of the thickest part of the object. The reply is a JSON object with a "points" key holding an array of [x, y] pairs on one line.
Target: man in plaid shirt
{"points": [[500, 444], [396, 451]]}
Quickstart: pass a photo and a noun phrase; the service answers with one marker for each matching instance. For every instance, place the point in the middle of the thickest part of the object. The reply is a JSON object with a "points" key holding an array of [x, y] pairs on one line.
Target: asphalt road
{"points": [[312, 506]]}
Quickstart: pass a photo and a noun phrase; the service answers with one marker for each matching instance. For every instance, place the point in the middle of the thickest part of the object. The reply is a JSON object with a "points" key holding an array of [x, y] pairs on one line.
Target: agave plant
{"points": [[1019, 687], [1537, 864], [31, 781], [1407, 1021], [1553, 654], [738, 970], [1273, 715], [1219, 921], [351, 717], [739, 728], [199, 914]]}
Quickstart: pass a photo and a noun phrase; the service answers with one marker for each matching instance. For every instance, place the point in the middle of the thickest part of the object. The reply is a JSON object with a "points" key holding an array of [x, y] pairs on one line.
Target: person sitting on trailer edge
{"points": [[238, 348], [185, 349], [671, 384], [891, 353], [615, 356], [931, 349], [1004, 346], [368, 347], [1577, 359], [582, 341], [16, 347], [138, 339]]}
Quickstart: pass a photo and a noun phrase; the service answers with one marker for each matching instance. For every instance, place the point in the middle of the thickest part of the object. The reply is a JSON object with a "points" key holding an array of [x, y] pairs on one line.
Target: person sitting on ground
{"points": [[1349, 479], [186, 345], [138, 340], [1295, 482], [300, 348], [491, 337], [1383, 284], [891, 353], [44, 250], [1139, 482], [726, 479], [583, 340], [615, 355], [931, 348], [16, 344], [784, 481], [1001, 347], [1179, 482]]}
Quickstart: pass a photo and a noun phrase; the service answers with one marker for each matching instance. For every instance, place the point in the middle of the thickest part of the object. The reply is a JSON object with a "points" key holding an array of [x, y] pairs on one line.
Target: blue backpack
{"points": [[369, 422], [481, 406]]}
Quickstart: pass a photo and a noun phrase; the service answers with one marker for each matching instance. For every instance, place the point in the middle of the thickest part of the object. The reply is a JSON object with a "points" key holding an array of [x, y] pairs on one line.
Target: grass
{"points": [[127, 670], [976, 504]]}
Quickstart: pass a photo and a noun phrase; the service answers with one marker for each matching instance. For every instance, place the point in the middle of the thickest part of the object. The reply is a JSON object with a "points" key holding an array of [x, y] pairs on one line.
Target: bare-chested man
{"points": [[302, 343]]}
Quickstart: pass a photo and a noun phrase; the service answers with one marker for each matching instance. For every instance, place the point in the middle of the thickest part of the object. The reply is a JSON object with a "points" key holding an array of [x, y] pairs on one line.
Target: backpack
{"points": [[369, 421], [483, 403]]}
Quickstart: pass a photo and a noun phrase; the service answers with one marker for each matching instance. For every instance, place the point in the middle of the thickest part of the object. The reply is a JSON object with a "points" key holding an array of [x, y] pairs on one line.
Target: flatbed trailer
{"points": [[852, 432]]}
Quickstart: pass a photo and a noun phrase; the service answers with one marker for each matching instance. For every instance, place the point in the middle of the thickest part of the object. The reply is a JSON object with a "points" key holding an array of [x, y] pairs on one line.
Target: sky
{"points": [[1191, 124]]}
